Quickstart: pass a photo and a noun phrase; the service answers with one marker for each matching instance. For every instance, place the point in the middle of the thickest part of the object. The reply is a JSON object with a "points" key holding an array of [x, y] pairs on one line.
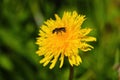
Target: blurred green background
{"points": [[19, 25]]}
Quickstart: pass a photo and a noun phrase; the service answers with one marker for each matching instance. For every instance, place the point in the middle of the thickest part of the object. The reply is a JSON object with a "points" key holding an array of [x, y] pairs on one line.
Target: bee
{"points": [[57, 30]]}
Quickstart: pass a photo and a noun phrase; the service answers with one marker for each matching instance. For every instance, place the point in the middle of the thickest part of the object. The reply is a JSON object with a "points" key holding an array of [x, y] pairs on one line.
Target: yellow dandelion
{"points": [[62, 38]]}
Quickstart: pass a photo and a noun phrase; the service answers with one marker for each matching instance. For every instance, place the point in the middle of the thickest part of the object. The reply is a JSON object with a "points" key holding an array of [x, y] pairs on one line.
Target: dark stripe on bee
{"points": [[57, 30]]}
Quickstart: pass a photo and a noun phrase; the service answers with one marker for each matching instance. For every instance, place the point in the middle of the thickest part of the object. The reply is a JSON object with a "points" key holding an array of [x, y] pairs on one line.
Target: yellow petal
{"points": [[46, 63], [85, 47], [78, 60], [88, 38], [53, 63], [70, 61], [57, 17], [84, 32], [62, 60]]}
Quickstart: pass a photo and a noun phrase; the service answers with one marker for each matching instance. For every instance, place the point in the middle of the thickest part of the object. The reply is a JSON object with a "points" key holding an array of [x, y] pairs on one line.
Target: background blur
{"points": [[19, 25]]}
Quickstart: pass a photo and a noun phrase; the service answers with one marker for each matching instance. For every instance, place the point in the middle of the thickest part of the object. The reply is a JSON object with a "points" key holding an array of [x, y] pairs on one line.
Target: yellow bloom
{"points": [[62, 38]]}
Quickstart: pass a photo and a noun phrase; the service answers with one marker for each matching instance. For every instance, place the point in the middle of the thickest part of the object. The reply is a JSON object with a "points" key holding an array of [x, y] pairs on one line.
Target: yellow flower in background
{"points": [[62, 38]]}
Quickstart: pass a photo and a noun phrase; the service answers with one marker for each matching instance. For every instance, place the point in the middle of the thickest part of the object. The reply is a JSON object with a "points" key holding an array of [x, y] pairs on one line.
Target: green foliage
{"points": [[19, 25]]}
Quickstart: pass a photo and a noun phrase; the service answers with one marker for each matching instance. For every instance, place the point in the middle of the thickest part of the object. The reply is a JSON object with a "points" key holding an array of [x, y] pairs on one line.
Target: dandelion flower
{"points": [[62, 38]]}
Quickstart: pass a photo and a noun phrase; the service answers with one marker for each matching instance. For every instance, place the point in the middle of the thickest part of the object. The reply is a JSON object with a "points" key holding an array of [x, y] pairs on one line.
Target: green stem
{"points": [[71, 73]]}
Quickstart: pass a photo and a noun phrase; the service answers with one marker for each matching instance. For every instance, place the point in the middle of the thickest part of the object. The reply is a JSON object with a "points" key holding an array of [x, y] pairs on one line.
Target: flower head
{"points": [[62, 38]]}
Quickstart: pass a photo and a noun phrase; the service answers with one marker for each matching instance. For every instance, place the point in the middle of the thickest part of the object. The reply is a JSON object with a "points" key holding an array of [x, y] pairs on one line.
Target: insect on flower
{"points": [[57, 30], [61, 46]]}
